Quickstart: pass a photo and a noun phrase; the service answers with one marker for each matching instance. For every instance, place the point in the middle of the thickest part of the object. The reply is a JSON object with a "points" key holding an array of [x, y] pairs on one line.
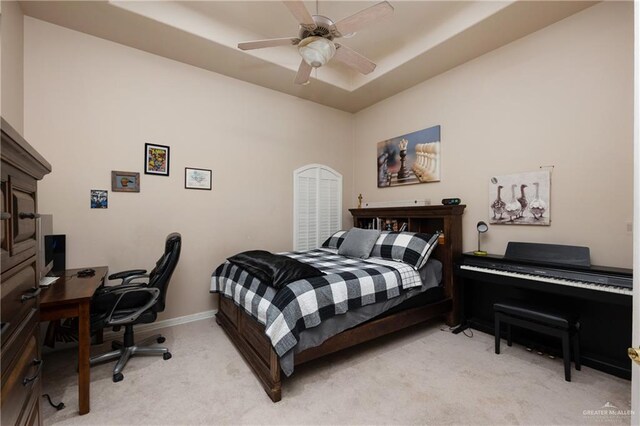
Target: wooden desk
{"points": [[70, 297]]}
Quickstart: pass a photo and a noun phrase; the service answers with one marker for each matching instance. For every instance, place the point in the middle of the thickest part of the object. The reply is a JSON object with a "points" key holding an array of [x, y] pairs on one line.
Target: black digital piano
{"points": [[561, 278]]}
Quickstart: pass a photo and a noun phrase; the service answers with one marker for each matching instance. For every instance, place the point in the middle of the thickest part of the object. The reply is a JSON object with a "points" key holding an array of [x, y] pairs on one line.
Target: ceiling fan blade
{"points": [[366, 16], [353, 59], [304, 72], [300, 12], [272, 42]]}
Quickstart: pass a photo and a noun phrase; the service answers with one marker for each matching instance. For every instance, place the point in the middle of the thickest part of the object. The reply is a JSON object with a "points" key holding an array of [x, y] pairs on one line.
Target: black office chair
{"points": [[136, 300]]}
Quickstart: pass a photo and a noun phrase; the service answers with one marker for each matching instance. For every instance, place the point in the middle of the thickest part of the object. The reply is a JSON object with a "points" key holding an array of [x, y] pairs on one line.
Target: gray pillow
{"points": [[359, 243]]}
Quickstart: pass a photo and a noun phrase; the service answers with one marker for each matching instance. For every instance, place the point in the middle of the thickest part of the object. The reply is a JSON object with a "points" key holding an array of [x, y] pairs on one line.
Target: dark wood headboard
{"points": [[427, 219]]}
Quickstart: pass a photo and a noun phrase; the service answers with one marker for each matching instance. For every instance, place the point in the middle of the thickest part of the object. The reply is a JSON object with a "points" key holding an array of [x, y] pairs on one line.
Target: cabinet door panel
{"points": [[24, 229], [4, 223], [31, 415], [15, 392], [13, 309]]}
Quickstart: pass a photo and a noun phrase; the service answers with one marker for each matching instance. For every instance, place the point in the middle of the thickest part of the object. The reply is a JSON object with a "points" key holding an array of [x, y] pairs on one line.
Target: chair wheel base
{"points": [[166, 356], [118, 377], [161, 339]]}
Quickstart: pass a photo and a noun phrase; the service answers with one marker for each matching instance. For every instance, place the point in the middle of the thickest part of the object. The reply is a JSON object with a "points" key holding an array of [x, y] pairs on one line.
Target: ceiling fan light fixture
{"points": [[316, 51]]}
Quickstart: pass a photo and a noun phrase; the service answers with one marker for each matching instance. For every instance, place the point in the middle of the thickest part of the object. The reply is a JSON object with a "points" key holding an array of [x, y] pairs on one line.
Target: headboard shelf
{"points": [[426, 219]]}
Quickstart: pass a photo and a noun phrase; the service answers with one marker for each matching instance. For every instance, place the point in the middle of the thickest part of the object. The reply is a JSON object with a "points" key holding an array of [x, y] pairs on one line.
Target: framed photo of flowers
{"points": [[156, 159]]}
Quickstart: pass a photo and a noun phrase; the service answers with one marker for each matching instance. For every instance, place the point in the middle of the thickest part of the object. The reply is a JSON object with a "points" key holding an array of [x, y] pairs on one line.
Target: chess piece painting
{"points": [[411, 158]]}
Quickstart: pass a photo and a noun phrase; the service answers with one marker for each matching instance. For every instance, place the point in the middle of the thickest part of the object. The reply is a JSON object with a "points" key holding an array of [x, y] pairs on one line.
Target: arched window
{"points": [[317, 205]]}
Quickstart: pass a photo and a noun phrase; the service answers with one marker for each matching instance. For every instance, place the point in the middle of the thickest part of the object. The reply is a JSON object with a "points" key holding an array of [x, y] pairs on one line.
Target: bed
{"points": [[353, 301]]}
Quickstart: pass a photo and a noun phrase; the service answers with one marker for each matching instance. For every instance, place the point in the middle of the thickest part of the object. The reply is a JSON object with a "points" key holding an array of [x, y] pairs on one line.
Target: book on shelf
{"points": [[390, 225], [384, 224]]}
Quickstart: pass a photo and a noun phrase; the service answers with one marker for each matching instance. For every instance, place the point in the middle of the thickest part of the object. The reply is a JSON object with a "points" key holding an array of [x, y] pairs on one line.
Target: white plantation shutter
{"points": [[307, 218], [317, 205]]}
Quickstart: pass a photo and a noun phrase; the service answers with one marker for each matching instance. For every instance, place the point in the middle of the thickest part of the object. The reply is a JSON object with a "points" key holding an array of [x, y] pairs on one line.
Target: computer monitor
{"points": [[55, 250], [45, 260]]}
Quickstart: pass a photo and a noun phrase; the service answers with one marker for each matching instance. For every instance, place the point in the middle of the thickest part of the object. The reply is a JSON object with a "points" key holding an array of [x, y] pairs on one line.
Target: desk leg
{"points": [[84, 345]]}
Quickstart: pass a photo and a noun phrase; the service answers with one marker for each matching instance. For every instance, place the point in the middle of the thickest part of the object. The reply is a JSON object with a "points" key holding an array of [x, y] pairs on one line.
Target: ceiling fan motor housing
{"points": [[323, 28]]}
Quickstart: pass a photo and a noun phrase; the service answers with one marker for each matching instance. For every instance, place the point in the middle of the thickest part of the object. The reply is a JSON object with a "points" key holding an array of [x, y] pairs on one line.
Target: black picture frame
{"points": [[154, 163], [195, 178]]}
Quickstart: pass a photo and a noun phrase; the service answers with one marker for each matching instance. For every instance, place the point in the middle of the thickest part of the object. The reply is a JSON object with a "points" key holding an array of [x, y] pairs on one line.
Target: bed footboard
{"points": [[248, 336]]}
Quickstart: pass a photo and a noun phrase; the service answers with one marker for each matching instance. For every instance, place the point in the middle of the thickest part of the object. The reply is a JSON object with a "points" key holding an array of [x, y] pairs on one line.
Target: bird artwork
{"points": [[537, 206], [513, 207], [520, 207], [522, 200], [498, 205]]}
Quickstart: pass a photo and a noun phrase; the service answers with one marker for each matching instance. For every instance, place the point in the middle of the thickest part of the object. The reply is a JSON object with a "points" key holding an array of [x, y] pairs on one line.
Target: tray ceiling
{"points": [[421, 40]]}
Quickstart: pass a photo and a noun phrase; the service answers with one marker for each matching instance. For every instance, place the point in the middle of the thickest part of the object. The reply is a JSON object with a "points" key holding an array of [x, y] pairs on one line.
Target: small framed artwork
{"points": [[197, 178], [156, 159], [520, 199], [99, 199], [125, 181]]}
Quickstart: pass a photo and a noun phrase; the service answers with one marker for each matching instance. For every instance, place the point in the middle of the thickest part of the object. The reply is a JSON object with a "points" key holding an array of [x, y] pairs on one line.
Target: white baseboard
{"points": [[144, 328]]}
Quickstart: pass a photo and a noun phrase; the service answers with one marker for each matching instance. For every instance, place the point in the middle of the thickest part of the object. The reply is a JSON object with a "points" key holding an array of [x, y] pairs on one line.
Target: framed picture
{"points": [[197, 178], [156, 159], [125, 181], [99, 199], [411, 158], [520, 199]]}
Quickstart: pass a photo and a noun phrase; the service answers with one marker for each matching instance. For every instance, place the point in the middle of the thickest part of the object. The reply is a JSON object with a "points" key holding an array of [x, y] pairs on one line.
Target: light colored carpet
{"points": [[419, 376]]}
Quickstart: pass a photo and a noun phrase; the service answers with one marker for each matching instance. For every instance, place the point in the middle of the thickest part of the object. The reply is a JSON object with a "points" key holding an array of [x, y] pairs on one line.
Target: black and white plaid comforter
{"points": [[348, 284]]}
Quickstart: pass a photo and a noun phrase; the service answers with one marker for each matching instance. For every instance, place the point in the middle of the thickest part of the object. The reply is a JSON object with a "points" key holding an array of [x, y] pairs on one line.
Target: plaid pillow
{"points": [[335, 241], [408, 247]]}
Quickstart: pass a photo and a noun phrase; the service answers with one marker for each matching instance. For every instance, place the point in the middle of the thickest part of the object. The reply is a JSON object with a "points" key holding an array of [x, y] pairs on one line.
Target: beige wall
{"points": [[562, 96], [11, 45], [92, 104]]}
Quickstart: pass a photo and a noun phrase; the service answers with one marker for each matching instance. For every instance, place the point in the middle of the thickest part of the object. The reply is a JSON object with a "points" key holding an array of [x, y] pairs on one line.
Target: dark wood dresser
{"points": [[22, 167]]}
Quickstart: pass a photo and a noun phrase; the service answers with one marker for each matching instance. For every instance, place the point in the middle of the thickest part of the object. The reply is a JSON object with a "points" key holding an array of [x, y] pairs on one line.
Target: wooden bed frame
{"points": [[248, 335]]}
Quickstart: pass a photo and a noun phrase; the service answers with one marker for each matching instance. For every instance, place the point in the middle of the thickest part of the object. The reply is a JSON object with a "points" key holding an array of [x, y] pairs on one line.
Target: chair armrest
{"points": [[153, 292], [129, 280], [111, 289], [125, 274]]}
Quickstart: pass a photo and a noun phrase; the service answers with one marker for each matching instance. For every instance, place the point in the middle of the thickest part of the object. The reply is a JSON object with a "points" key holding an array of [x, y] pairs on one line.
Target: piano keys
{"points": [[559, 278], [582, 282]]}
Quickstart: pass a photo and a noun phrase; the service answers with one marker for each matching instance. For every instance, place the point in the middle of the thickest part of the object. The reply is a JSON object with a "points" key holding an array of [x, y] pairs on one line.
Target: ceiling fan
{"points": [[315, 38]]}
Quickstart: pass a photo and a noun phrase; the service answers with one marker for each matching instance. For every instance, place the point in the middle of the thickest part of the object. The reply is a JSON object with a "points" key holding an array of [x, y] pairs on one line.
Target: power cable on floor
{"points": [[467, 332], [58, 407]]}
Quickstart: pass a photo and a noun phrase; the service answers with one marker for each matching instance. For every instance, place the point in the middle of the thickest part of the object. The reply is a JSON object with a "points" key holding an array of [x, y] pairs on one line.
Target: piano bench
{"points": [[556, 324]]}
